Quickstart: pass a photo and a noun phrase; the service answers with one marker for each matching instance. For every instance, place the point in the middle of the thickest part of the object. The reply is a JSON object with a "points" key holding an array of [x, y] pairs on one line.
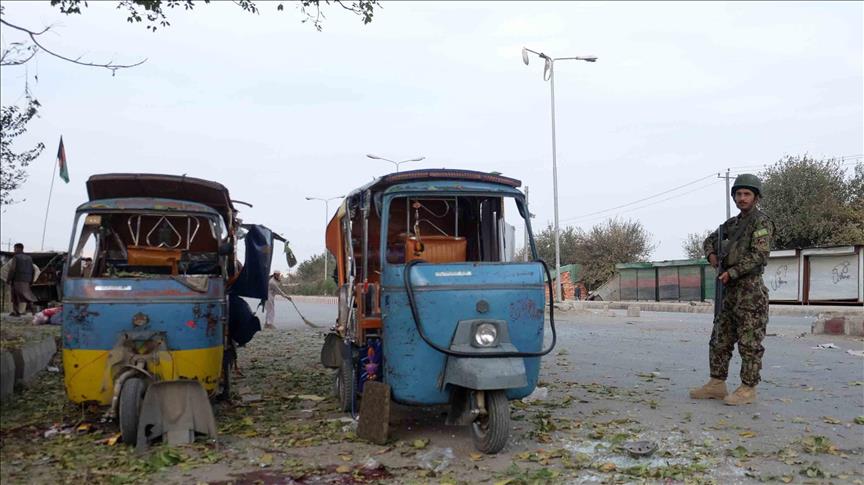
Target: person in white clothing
{"points": [[273, 290]]}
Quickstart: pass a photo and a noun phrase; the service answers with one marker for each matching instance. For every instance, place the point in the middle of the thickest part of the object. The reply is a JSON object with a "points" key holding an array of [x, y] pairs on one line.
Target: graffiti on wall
{"points": [[840, 272], [780, 277]]}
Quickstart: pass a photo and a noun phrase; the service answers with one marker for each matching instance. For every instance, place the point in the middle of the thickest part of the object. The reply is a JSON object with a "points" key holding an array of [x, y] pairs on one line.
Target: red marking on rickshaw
{"points": [[190, 324]]}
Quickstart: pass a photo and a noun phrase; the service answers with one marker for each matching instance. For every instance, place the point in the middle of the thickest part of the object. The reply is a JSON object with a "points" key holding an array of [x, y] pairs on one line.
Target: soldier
{"points": [[744, 315]]}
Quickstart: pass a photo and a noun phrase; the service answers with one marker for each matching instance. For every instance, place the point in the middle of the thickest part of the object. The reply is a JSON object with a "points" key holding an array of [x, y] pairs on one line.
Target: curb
{"points": [[702, 307], [316, 299], [22, 365]]}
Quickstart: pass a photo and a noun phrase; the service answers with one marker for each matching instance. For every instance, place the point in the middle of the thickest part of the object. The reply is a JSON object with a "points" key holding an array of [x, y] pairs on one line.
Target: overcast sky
{"points": [[277, 111]]}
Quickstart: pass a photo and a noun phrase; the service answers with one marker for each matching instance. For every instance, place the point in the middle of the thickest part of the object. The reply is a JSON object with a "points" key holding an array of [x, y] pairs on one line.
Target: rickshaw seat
{"points": [[435, 249], [148, 256]]}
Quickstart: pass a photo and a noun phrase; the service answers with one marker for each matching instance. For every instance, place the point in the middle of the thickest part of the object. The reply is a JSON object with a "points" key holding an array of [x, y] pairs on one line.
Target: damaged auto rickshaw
{"points": [[151, 279], [433, 302]]}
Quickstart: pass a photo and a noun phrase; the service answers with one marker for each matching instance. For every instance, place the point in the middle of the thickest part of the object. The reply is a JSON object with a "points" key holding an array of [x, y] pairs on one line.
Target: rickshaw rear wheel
{"points": [[345, 385], [131, 396], [491, 431]]}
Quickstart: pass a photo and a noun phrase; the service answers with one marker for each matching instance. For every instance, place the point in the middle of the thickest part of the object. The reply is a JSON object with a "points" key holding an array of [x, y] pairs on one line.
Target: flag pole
{"points": [[50, 191]]}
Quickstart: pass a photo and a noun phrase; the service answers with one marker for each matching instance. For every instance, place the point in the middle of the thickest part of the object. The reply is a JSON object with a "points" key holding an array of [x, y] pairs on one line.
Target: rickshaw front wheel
{"points": [[131, 396], [491, 431]]}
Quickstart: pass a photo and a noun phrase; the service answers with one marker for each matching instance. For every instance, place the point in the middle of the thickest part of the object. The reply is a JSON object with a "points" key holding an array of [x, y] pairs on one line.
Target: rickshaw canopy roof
{"points": [[161, 186], [428, 175], [146, 204]]}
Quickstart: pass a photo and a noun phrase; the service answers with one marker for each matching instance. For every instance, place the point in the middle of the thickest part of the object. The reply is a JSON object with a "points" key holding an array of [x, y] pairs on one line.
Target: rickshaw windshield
{"points": [[457, 228], [145, 244]]}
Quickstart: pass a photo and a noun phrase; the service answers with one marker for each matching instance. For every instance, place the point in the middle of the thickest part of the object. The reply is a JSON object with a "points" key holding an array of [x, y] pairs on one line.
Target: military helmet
{"points": [[747, 181]]}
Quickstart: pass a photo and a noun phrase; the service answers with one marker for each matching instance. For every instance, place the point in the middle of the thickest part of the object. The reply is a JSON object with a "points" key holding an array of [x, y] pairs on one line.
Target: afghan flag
{"points": [[61, 161]]}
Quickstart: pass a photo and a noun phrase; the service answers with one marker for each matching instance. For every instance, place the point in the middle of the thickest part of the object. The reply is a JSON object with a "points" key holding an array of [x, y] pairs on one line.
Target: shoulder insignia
{"points": [[761, 232]]}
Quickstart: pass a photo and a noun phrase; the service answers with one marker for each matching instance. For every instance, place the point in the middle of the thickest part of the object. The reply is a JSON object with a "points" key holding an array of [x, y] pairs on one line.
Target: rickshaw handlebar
{"points": [[406, 276]]}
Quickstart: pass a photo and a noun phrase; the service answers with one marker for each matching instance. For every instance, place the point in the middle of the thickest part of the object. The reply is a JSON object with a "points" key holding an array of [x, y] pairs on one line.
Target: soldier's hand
{"points": [[724, 278], [712, 260]]}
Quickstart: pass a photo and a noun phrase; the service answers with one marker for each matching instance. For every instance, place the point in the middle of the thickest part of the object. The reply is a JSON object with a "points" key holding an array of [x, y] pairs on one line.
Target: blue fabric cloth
{"points": [[253, 280], [242, 323]]}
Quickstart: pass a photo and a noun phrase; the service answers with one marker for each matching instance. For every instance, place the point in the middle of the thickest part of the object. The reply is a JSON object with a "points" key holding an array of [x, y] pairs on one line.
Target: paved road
{"points": [[612, 368], [320, 314]]}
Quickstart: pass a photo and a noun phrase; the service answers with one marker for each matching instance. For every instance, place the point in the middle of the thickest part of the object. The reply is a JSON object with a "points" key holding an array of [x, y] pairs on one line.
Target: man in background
{"points": [[21, 275], [273, 290]]}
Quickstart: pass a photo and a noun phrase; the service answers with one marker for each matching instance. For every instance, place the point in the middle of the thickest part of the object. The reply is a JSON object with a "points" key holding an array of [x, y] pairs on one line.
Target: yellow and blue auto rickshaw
{"points": [[433, 301], [150, 282]]}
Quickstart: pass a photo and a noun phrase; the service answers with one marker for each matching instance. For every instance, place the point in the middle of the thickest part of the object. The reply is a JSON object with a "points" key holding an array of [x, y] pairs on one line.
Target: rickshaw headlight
{"points": [[485, 335]]}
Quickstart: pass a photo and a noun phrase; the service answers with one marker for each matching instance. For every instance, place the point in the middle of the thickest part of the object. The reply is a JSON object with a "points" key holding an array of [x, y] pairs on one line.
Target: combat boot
{"points": [[714, 389], [743, 395]]}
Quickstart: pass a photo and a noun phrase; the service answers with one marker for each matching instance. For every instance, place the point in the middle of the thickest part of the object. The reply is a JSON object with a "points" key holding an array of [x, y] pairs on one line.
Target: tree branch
{"points": [[110, 65], [16, 49]]}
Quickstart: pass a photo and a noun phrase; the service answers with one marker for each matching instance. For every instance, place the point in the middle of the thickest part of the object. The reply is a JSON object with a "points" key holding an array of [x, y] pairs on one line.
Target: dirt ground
{"points": [[282, 426]]}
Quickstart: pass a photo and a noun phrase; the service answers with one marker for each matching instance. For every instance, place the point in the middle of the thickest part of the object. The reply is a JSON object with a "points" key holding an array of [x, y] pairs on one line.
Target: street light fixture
{"points": [[326, 216], [376, 157], [549, 75]]}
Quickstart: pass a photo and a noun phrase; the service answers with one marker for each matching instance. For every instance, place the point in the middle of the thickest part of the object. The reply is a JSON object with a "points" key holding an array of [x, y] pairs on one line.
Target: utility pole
{"points": [[728, 196], [527, 249]]}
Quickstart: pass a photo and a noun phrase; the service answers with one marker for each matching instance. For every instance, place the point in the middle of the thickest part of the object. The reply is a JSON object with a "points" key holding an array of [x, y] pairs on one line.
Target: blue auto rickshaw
{"points": [[148, 286], [434, 301]]}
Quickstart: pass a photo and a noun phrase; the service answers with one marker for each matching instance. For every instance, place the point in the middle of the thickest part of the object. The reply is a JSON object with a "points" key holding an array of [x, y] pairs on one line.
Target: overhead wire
{"points": [[653, 203], [712, 174], [854, 158]]}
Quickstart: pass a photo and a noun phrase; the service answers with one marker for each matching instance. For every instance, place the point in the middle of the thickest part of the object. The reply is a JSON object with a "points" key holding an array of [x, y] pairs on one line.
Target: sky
{"points": [[277, 111]]}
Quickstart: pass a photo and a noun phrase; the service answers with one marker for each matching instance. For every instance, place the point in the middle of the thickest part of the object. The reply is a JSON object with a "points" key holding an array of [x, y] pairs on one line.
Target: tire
{"points": [[345, 385], [491, 432], [130, 408]]}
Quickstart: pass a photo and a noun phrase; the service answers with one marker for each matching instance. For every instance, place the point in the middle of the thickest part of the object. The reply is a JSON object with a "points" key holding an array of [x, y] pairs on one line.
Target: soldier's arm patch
{"points": [[760, 233]]}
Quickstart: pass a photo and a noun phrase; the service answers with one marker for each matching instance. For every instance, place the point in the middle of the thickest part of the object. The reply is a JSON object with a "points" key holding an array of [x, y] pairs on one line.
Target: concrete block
{"points": [[32, 358], [854, 326], [7, 375], [633, 311], [835, 326]]}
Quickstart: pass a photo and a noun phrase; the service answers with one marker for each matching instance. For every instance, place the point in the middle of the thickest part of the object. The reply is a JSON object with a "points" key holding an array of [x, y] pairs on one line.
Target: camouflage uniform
{"points": [[744, 316]]}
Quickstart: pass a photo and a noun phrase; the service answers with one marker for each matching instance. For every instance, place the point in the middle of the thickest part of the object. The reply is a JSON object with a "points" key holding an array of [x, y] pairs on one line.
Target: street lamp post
{"points": [[326, 215], [549, 75], [376, 157]]}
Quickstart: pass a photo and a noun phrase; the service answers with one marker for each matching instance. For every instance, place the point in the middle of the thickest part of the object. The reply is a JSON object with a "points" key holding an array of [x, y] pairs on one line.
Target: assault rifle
{"points": [[719, 289]]}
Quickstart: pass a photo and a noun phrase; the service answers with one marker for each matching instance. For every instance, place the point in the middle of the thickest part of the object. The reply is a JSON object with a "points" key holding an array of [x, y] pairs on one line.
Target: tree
{"points": [[13, 166], [605, 245], [692, 246], [597, 250], [545, 242], [812, 203], [309, 277]]}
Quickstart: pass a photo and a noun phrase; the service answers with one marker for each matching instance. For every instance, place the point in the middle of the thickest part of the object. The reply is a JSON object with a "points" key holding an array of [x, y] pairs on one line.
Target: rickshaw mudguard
{"points": [[486, 374], [483, 373], [334, 351], [175, 411]]}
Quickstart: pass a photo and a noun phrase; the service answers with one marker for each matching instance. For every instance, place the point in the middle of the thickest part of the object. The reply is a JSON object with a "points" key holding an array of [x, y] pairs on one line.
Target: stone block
{"points": [[374, 422], [633, 311], [32, 358]]}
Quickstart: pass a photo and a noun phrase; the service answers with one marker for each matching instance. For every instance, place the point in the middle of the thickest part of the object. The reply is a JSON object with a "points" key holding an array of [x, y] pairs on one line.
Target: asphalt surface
{"points": [[610, 366]]}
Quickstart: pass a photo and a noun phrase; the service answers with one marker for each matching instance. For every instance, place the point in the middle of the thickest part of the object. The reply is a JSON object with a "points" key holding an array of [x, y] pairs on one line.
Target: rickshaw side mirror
{"points": [[226, 249]]}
